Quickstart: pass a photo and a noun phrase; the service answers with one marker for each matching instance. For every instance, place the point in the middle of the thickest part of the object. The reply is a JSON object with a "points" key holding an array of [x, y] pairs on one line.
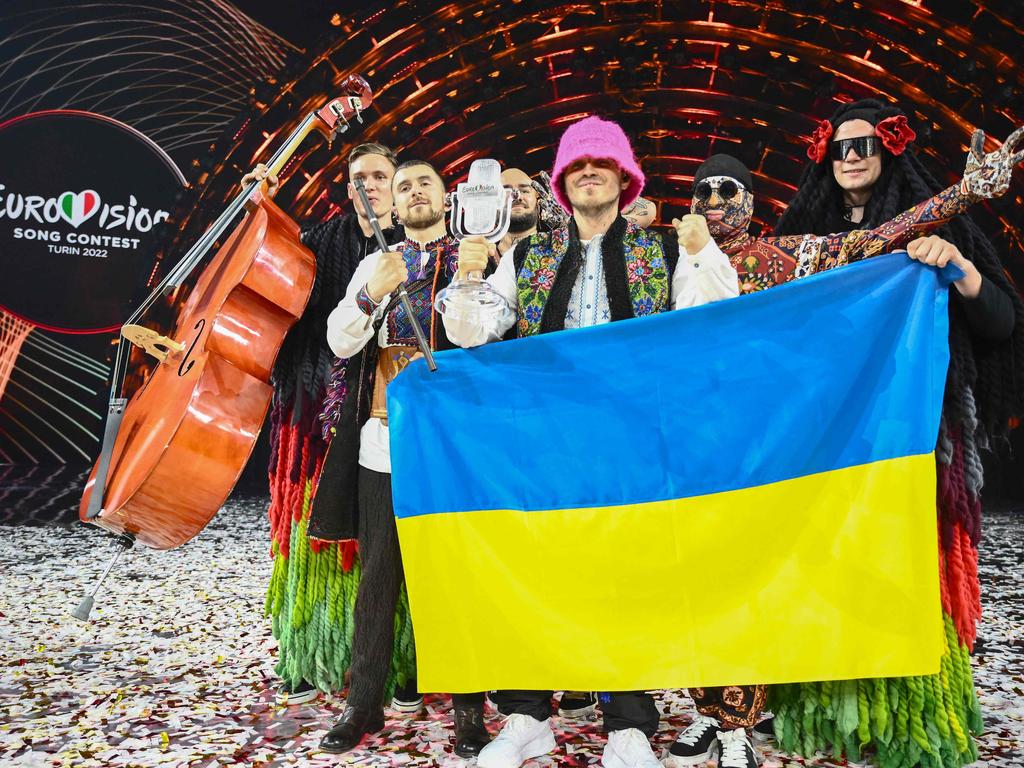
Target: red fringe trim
{"points": [[962, 591], [299, 459]]}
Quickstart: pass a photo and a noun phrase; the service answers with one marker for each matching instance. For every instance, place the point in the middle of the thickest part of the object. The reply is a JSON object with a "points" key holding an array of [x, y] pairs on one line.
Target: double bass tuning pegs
{"points": [[355, 107], [335, 116]]}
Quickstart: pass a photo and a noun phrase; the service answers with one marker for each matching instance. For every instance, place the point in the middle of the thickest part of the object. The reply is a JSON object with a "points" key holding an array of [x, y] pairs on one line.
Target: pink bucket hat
{"points": [[600, 140]]}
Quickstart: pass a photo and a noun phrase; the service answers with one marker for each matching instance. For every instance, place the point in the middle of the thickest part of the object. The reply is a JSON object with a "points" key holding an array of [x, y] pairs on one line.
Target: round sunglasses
{"points": [[864, 146], [726, 190]]}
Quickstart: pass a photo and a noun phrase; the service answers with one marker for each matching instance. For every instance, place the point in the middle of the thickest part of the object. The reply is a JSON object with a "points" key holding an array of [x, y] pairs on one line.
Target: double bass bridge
{"points": [[151, 342]]}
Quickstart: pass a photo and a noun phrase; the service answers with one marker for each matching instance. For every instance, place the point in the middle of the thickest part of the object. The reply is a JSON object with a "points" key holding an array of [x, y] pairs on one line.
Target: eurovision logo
{"points": [[76, 208], [81, 200]]}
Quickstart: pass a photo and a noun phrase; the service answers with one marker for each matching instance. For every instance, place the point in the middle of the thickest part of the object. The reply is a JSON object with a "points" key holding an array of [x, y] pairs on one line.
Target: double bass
{"points": [[174, 449]]}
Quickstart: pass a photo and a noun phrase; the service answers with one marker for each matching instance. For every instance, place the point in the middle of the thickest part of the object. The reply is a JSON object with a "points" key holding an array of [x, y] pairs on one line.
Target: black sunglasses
{"points": [[864, 146], [726, 190]]}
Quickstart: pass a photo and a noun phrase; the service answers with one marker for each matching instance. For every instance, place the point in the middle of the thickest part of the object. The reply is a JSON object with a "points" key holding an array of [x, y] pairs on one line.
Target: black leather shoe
{"points": [[470, 732], [350, 729]]}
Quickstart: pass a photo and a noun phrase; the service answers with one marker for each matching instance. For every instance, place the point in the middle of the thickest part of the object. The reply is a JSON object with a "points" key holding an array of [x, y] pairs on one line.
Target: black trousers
{"points": [[374, 637], [373, 640], [632, 709]]}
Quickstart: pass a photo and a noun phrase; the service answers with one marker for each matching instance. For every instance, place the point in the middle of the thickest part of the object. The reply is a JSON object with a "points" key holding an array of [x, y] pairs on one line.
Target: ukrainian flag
{"points": [[738, 493]]}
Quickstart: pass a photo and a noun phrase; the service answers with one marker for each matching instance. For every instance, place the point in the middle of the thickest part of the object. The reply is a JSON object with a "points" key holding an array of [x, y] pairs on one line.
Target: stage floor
{"points": [[176, 666]]}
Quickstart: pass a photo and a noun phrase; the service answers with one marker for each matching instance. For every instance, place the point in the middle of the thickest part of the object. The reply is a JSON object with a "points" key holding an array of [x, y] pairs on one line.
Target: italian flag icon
{"points": [[77, 207]]}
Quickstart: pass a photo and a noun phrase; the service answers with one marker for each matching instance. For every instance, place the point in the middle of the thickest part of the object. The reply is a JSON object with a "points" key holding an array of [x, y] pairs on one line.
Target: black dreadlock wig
{"points": [[992, 373]]}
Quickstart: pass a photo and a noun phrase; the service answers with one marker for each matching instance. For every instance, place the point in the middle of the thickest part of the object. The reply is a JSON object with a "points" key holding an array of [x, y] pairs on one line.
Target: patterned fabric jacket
{"points": [[637, 263], [763, 262]]}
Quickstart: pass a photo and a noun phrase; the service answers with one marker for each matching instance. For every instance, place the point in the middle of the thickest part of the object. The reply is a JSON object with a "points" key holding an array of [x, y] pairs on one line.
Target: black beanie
{"points": [[724, 165]]}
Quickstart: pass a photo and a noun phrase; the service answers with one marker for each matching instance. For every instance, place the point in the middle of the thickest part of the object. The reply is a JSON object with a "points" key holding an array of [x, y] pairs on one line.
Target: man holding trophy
{"points": [[372, 327], [596, 269]]}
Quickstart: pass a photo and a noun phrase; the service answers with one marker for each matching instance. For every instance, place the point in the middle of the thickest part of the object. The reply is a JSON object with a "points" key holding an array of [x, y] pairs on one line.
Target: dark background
{"points": [[220, 85]]}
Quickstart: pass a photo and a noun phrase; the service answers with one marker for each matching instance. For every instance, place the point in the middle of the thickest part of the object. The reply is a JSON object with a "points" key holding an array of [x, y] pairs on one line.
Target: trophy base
{"points": [[473, 301]]}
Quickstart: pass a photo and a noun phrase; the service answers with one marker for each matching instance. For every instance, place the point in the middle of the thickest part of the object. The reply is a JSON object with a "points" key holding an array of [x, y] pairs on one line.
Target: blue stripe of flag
{"points": [[840, 369]]}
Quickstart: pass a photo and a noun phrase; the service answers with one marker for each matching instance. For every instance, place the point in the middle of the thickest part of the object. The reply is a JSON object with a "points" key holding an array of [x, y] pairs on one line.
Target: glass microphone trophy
{"points": [[480, 206]]}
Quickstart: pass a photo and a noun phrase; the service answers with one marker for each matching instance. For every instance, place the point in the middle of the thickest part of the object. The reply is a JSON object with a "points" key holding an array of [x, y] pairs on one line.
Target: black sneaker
{"points": [[695, 745], [406, 699], [577, 704], [764, 731], [735, 750], [303, 693]]}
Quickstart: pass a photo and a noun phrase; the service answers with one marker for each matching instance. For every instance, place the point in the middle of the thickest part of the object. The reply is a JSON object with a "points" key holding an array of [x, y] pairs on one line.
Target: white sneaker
{"points": [[303, 693], [409, 707], [406, 700], [629, 748], [736, 750], [521, 738]]}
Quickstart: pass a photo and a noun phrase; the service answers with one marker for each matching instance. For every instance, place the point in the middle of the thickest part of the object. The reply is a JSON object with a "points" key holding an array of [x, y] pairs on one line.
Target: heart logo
{"points": [[78, 207]]}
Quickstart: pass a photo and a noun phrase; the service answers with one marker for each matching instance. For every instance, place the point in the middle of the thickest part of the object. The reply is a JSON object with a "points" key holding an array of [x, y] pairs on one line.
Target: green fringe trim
{"points": [[311, 600], [904, 721]]}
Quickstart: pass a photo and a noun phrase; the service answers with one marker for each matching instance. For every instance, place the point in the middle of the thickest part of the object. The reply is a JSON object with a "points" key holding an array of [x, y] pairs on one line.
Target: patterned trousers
{"points": [[734, 706]]}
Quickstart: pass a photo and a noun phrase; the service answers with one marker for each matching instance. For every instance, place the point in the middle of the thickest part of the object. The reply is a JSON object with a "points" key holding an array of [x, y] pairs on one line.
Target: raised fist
{"points": [[692, 231]]}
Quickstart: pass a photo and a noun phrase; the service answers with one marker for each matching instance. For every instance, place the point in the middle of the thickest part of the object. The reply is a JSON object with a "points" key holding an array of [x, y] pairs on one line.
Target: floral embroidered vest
{"points": [[648, 274]]}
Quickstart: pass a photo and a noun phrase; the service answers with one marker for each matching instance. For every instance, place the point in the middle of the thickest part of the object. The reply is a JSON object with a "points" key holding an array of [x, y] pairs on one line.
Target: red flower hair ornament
{"points": [[817, 150], [895, 133]]}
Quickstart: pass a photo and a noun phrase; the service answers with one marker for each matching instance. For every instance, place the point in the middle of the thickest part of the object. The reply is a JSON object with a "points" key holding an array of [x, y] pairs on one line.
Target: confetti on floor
{"points": [[176, 666]]}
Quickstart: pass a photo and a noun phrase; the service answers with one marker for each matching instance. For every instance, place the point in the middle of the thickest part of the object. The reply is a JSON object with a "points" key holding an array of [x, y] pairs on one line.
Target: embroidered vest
{"points": [[424, 283], [647, 274]]}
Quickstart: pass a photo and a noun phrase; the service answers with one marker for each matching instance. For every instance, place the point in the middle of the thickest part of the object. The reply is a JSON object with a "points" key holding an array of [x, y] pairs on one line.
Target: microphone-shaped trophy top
{"points": [[481, 204]]}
